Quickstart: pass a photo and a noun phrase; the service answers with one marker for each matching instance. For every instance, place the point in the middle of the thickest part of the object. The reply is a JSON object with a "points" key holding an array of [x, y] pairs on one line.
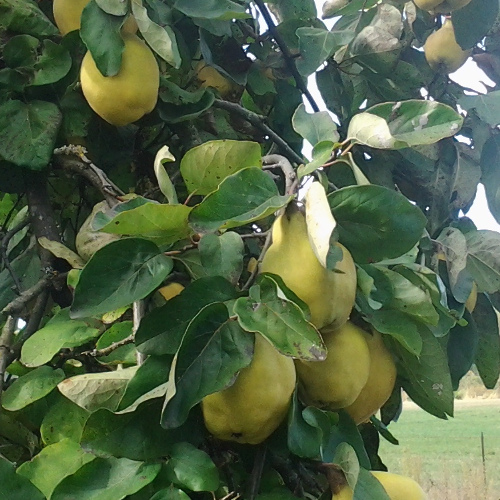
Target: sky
{"points": [[469, 75]]}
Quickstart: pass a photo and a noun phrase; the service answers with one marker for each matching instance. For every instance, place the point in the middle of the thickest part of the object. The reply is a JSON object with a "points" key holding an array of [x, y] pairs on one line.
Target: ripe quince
{"points": [[253, 407], [208, 76], [337, 381], [129, 95], [442, 50], [87, 240], [381, 380], [68, 13], [329, 294], [440, 6]]}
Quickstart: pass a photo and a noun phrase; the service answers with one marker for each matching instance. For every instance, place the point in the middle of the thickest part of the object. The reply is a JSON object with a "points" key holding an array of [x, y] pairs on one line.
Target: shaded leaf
{"points": [[315, 127], [483, 259], [15, 486]]}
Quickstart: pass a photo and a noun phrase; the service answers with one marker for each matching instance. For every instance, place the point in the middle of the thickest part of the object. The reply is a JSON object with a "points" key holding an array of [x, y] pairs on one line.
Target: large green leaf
{"points": [[316, 45], [396, 125], [15, 486], [244, 197], [487, 106], [315, 127], [31, 387], [376, 223], [490, 174], [472, 22], [280, 321], [24, 16], [54, 463], [204, 167], [59, 332], [212, 9], [28, 132], [213, 350], [483, 259], [117, 275], [161, 331], [107, 479]]}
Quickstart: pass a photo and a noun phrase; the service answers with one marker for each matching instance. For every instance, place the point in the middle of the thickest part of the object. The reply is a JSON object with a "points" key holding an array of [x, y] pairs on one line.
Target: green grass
{"points": [[444, 456]]}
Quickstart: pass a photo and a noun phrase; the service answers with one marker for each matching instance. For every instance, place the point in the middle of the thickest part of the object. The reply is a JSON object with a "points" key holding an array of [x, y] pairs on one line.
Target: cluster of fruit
{"points": [[131, 93], [441, 48]]}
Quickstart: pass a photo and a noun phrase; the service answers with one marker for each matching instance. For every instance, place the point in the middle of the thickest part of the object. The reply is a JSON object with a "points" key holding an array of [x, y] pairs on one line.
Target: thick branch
{"points": [[6, 338], [289, 173], [289, 60], [258, 122]]}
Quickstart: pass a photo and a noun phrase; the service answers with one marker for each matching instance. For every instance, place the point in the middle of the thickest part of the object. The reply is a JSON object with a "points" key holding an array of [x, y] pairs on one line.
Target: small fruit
{"points": [[442, 50], [396, 486], [253, 407], [380, 382], [470, 303], [129, 95], [171, 290], [329, 295], [337, 381], [68, 13], [440, 6], [87, 240], [210, 77]]}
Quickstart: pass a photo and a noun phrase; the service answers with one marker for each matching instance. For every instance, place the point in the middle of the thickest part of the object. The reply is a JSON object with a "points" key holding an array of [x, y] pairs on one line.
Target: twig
{"points": [[289, 60], [97, 353], [138, 311], [6, 338], [254, 235], [3, 251], [254, 273], [258, 467], [73, 158], [258, 121], [286, 167]]}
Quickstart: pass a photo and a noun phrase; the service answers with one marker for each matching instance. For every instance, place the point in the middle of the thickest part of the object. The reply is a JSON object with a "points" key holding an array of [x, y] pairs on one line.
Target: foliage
{"points": [[101, 378]]}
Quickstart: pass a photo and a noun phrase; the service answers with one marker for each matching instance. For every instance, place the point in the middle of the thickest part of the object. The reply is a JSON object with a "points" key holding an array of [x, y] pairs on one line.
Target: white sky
{"points": [[469, 75]]}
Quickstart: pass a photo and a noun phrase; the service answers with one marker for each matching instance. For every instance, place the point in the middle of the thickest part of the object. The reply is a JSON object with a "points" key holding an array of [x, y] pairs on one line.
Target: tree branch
{"points": [[278, 161], [258, 122], [73, 158], [254, 273], [97, 353], [289, 60], [138, 310], [6, 338]]}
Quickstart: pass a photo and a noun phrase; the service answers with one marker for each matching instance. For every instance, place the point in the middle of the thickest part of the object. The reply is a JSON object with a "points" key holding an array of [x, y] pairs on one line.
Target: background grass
{"points": [[444, 456]]}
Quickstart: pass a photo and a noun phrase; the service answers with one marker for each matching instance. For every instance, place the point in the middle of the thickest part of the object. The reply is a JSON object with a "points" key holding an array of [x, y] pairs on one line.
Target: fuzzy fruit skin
{"points": [[337, 381], [396, 486], [129, 95], [87, 240], [400, 487], [442, 50], [210, 77], [380, 383], [329, 295], [440, 7], [68, 13], [171, 290], [253, 407]]}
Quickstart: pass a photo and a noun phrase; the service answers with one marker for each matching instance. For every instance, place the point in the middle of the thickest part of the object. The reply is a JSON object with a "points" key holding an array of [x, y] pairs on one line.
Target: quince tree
{"points": [[217, 284]]}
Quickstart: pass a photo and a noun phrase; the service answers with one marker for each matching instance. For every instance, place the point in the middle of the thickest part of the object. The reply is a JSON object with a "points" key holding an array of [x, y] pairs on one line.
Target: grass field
{"points": [[445, 456]]}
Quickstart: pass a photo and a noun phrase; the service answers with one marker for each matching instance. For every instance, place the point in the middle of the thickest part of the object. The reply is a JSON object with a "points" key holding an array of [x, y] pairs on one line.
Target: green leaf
{"points": [[212, 9], [490, 174], [53, 64], [314, 127], [426, 379], [28, 132], [107, 479], [213, 350], [487, 356], [15, 486], [136, 435], [316, 45], [161, 331], [396, 125], [483, 259], [24, 16], [376, 223], [160, 39], [60, 332], [113, 7], [16, 432], [191, 468], [65, 419], [31, 387], [164, 183], [205, 166], [162, 224], [222, 255], [472, 22], [125, 354], [100, 33], [117, 275], [487, 106], [170, 493], [244, 197], [279, 320], [54, 463], [368, 487], [93, 391], [321, 154]]}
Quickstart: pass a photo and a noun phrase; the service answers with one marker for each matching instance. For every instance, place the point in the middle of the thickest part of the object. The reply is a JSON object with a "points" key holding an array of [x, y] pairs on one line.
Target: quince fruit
{"points": [[337, 381], [440, 6], [171, 290], [381, 380], [396, 486], [442, 50], [208, 76], [87, 240], [253, 407], [68, 13], [329, 294], [130, 94]]}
